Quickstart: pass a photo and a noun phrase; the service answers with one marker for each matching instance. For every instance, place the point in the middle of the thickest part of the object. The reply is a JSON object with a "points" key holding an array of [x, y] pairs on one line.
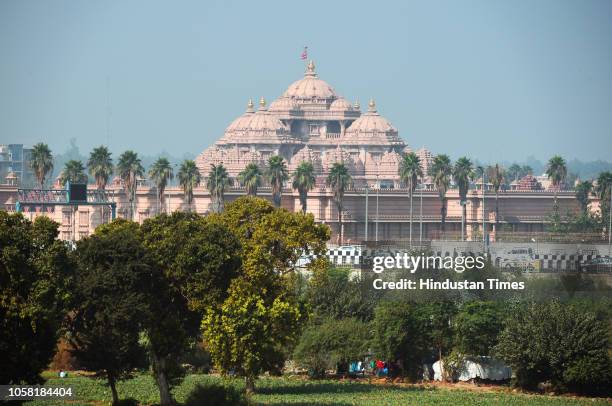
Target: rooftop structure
{"points": [[311, 122]]}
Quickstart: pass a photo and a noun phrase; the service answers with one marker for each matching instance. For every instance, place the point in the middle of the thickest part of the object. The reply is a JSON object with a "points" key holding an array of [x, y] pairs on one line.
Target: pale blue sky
{"points": [[495, 80]]}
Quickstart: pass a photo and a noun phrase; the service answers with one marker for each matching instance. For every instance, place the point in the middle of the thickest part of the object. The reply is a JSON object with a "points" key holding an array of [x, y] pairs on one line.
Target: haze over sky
{"points": [[494, 80]]}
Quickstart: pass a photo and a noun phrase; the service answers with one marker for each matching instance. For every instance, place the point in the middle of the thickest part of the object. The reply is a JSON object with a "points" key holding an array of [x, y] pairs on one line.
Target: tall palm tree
{"points": [[189, 178], [496, 176], [409, 172], [100, 166], [583, 191], [441, 171], [218, 180], [42, 162], [556, 170], [463, 172], [339, 180], [277, 175], [250, 178], [160, 173], [304, 181], [603, 190], [73, 172], [129, 168]]}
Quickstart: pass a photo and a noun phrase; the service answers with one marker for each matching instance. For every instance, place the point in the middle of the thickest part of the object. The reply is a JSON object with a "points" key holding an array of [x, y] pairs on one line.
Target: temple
{"points": [[311, 122]]}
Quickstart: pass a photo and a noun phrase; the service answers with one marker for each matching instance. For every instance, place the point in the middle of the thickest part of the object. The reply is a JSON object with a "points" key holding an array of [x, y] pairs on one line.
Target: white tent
{"points": [[477, 367]]}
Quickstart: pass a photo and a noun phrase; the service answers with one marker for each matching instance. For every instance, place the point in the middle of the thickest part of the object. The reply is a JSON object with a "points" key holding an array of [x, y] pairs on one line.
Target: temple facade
{"points": [[311, 122]]}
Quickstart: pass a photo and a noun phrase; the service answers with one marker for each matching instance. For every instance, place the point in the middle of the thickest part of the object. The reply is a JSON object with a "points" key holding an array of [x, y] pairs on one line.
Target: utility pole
{"points": [[367, 188], [484, 230], [377, 191], [421, 218]]}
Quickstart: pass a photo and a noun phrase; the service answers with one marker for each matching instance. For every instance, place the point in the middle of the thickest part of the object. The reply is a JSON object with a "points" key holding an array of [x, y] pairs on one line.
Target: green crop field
{"points": [[298, 391]]}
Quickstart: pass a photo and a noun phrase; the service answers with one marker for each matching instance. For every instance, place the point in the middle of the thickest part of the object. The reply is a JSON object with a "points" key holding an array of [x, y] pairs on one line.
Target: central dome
{"points": [[310, 86]]}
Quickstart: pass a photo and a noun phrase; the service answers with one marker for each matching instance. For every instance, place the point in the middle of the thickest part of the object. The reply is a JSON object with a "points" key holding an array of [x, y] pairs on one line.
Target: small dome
{"points": [[306, 154], [310, 86], [341, 104], [338, 155], [283, 104], [371, 124]]}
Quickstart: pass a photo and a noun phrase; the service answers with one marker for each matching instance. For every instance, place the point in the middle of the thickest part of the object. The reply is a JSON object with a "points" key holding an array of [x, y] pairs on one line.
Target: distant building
{"points": [[15, 161]]}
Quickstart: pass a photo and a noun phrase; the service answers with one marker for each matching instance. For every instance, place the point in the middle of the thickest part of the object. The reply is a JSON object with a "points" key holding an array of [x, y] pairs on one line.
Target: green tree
{"points": [[409, 172], [160, 173], [109, 302], [398, 335], [514, 172], [35, 288], [304, 182], [277, 175], [189, 178], [477, 326], [556, 170], [194, 258], [261, 316], [557, 343], [583, 192], [339, 180], [441, 171], [129, 168], [436, 320], [250, 178], [332, 344], [74, 172], [217, 182], [100, 166], [603, 190], [463, 172], [41, 161], [333, 294], [496, 177]]}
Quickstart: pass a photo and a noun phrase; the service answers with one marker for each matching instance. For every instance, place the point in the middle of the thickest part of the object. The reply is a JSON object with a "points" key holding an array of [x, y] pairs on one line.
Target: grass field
{"points": [[298, 391]]}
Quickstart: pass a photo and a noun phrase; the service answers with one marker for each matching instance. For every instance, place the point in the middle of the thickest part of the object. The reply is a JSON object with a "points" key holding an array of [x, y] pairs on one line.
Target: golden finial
{"points": [[262, 103], [250, 105], [357, 106], [310, 69], [372, 105]]}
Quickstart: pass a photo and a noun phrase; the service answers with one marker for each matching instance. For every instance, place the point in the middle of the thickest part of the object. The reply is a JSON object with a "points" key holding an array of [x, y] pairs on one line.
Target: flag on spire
{"points": [[304, 55]]}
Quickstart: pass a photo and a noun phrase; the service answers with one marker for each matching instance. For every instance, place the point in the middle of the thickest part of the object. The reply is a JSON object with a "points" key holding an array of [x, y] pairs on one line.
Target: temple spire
{"points": [[310, 69]]}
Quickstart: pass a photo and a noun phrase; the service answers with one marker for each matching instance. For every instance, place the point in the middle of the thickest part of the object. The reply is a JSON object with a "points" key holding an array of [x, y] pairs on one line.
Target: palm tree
{"points": [[441, 170], [218, 180], [189, 178], [409, 172], [100, 166], [556, 170], [463, 172], [304, 181], [496, 177], [277, 175], [160, 173], [250, 178], [42, 162], [129, 168], [583, 191], [74, 172], [339, 180], [603, 190]]}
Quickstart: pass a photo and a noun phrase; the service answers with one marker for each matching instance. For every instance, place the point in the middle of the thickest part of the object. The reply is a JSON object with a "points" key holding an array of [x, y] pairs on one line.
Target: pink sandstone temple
{"points": [[311, 122]]}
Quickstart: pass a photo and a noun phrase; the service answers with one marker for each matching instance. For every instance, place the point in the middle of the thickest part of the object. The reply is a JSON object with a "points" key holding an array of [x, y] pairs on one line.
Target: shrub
{"points": [[333, 344], [216, 394], [557, 343]]}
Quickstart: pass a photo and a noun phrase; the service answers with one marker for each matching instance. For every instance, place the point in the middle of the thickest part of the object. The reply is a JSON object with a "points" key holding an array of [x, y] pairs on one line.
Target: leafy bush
{"points": [[400, 336], [557, 343], [333, 344], [477, 326], [216, 394]]}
